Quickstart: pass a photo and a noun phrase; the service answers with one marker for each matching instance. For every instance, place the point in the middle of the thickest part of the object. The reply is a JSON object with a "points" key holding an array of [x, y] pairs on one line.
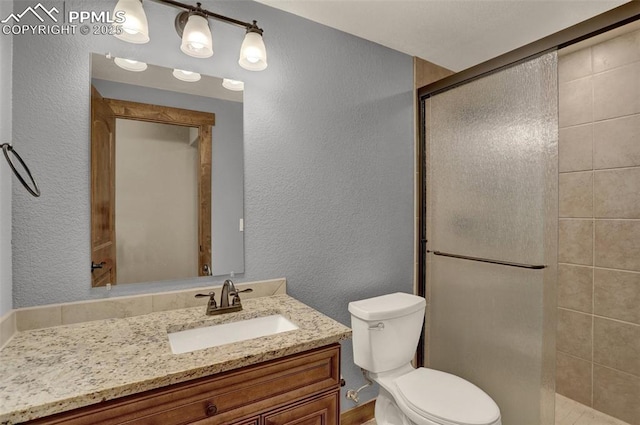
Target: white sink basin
{"points": [[227, 333]]}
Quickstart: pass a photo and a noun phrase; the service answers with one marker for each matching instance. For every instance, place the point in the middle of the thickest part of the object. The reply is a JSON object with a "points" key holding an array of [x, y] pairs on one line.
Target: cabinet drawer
{"points": [[321, 411], [226, 397]]}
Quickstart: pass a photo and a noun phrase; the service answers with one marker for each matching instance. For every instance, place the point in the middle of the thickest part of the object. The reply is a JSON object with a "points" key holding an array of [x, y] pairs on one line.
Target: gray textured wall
{"points": [[6, 297], [328, 158], [227, 165]]}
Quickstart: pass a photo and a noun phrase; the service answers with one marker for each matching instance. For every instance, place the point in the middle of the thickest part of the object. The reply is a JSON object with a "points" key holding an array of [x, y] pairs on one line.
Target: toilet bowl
{"points": [[386, 331]]}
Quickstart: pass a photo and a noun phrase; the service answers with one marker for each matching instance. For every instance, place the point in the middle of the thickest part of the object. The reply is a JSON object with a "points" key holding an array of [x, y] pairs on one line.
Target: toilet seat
{"points": [[446, 399]]}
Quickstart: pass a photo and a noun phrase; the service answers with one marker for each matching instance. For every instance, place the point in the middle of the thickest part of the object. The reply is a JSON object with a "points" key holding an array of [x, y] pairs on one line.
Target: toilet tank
{"points": [[386, 330]]}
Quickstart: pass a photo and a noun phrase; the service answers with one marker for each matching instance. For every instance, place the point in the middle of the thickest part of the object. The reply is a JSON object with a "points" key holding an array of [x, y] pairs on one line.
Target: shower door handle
{"points": [[488, 260]]}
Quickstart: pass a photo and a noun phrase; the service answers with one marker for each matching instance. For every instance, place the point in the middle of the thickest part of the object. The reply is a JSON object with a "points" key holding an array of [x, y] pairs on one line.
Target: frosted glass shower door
{"points": [[492, 194]]}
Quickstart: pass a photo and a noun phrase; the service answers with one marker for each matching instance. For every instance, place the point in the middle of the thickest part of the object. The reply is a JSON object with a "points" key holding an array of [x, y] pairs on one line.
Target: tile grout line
{"points": [[622, 372], [598, 316], [593, 242], [594, 121]]}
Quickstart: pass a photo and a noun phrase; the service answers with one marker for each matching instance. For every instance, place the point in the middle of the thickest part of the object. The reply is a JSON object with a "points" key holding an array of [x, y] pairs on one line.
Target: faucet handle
{"points": [[211, 295], [236, 296], [212, 300]]}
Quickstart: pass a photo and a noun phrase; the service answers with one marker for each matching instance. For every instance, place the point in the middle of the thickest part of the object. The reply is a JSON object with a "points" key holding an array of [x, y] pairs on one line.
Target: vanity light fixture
{"points": [[130, 64], [192, 25], [233, 85], [188, 76]]}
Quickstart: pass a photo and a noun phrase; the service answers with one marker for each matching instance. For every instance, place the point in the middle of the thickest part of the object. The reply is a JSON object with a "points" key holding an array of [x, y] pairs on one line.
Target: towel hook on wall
{"points": [[6, 148]]}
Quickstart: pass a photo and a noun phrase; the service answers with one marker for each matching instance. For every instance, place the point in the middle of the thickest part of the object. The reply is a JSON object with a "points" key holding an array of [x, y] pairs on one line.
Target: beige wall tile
{"points": [[282, 287], [573, 378], [39, 317], [616, 142], [186, 299], [617, 193], [7, 327], [617, 345], [576, 194], [618, 244], [617, 295], [58, 314], [264, 288], [616, 394], [575, 146], [181, 299], [574, 333], [600, 129], [106, 309], [575, 287], [575, 98], [616, 52], [575, 241], [574, 65], [616, 93]]}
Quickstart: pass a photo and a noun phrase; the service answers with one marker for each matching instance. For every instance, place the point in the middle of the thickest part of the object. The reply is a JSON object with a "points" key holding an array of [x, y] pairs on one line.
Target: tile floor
{"points": [[569, 412]]}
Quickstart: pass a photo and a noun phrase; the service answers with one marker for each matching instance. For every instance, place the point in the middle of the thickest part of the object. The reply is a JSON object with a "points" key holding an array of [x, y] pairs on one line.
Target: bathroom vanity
{"points": [[303, 386], [121, 371]]}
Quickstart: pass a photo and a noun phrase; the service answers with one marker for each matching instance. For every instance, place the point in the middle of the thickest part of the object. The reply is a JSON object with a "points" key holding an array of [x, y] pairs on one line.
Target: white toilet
{"points": [[386, 331]]}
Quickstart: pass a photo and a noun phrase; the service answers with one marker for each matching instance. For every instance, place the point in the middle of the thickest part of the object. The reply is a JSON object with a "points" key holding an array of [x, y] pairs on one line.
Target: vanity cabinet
{"points": [[303, 389]]}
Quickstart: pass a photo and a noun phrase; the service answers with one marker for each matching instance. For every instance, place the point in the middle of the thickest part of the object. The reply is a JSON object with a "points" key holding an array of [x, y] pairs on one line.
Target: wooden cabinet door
{"points": [[103, 226], [320, 411]]}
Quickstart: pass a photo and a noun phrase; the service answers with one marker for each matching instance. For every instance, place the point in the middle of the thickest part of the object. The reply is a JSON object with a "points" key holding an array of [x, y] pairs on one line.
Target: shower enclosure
{"points": [[491, 232], [489, 227]]}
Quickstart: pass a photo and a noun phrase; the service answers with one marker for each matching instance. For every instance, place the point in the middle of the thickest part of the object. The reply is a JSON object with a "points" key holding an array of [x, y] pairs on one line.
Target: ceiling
{"points": [[455, 34]]}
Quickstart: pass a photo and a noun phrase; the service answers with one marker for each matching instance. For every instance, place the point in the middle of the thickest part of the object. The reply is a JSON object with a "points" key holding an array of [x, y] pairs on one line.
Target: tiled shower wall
{"points": [[598, 339]]}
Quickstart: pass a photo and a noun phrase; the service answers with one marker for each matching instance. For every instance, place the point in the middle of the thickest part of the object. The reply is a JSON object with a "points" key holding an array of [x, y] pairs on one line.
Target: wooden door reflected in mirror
{"points": [[106, 253]]}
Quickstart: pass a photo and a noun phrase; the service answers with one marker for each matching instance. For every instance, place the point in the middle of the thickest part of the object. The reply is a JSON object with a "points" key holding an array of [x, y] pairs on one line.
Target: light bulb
{"points": [[233, 85], [188, 76], [135, 28], [130, 64], [253, 54], [196, 37]]}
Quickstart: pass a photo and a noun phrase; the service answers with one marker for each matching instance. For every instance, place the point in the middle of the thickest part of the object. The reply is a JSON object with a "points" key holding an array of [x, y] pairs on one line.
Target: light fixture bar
{"points": [[192, 25], [252, 26]]}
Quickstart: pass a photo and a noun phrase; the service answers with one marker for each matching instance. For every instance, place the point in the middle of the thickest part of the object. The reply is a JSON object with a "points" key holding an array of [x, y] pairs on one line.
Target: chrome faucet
{"points": [[228, 290]]}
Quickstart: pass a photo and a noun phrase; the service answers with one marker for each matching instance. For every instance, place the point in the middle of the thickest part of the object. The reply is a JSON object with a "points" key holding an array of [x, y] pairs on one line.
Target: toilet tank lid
{"points": [[386, 306]]}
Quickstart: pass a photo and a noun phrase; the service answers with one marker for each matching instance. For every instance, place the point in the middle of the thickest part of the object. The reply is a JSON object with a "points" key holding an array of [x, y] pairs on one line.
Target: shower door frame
{"points": [[622, 15]]}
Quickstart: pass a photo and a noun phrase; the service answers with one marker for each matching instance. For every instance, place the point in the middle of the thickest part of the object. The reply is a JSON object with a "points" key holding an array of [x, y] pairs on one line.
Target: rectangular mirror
{"points": [[166, 174]]}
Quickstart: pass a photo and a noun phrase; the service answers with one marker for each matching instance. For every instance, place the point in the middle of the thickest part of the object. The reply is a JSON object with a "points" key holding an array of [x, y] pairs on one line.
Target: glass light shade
{"points": [[233, 85], [253, 54], [135, 28], [130, 64], [196, 38], [188, 76]]}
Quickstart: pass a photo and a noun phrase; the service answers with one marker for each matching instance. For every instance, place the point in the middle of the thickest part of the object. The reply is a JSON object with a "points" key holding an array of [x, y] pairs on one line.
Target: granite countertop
{"points": [[53, 370]]}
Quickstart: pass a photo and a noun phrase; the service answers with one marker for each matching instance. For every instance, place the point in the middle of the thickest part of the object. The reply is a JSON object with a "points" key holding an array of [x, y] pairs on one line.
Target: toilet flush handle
{"points": [[377, 327]]}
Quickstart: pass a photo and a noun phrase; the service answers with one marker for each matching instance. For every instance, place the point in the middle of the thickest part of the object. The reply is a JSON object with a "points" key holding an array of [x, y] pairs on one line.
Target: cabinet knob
{"points": [[211, 409]]}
